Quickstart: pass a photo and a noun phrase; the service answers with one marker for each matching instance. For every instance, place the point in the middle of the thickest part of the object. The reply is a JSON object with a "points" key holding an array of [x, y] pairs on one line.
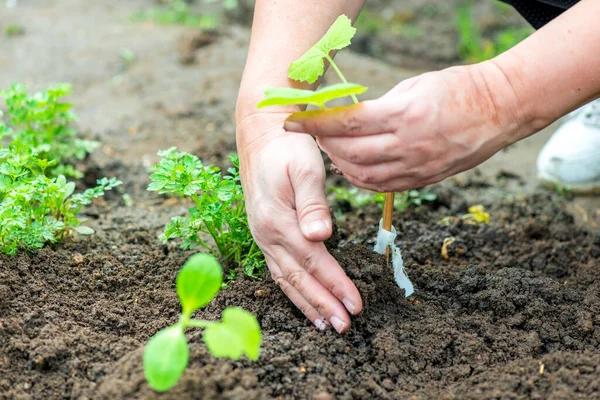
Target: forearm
{"points": [[555, 70], [281, 32]]}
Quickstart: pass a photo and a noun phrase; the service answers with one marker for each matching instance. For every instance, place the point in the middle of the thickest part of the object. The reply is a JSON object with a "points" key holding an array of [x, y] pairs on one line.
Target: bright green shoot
{"points": [[311, 66], [167, 354]]}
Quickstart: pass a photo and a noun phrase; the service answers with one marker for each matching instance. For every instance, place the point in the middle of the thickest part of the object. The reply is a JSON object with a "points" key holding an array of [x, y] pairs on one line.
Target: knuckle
{"points": [[366, 175], [309, 263], [296, 278], [352, 124], [311, 206], [354, 155]]}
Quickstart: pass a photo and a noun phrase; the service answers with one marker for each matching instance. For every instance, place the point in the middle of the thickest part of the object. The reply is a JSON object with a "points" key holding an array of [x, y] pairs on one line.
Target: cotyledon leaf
{"points": [[165, 357], [309, 67], [238, 334], [286, 96], [198, 282]]}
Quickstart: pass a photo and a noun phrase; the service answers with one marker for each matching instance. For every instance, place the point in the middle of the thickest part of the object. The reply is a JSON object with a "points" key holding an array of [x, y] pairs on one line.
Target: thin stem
{"points": [[339, 73], [198, 323]]}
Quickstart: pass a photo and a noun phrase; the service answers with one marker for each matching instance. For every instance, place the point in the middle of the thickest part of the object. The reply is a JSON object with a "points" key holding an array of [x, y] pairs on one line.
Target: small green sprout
{"points": [[167, 354], [219, 209], [311, 65], [14, 30], [358, 198]]}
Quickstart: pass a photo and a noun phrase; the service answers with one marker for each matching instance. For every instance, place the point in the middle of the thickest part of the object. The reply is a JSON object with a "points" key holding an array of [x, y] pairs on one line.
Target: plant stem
{"points": [[388, 207], [339, 73], [198, 323]]}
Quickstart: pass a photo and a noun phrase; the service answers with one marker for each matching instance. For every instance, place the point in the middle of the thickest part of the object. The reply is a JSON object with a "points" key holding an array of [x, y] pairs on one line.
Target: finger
{"points": [[317, 261], [311, 207], [294, 295], [311, 289], [373, 174], [366, 118], [363, 150]]}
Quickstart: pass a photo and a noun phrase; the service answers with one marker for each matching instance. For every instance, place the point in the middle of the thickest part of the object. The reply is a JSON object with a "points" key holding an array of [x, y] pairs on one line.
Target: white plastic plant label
{"points": [[384, 240]]}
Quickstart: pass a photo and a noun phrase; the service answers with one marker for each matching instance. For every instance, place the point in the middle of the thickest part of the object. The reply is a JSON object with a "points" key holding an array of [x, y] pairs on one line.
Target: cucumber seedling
{"points": [[167, 353], [309, 68]]}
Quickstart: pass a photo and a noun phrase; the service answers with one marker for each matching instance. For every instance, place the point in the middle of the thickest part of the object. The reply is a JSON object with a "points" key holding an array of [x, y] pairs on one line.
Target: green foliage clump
{"points": [[219, 209], [167, 354], [14, 30], [472, 47], [179, 12], [37, 203], [358, 198]]}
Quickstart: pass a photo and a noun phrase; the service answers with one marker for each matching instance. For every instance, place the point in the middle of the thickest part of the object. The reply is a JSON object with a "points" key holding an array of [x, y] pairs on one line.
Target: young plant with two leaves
{"points": [[167, 353], [38, 205], [309, 68]]}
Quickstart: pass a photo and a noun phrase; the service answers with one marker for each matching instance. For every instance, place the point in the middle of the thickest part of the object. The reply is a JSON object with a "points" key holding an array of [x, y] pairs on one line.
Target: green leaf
{"points": [[310, 66], [165, 357], [198, 282], [238, 334], [286, 96]]}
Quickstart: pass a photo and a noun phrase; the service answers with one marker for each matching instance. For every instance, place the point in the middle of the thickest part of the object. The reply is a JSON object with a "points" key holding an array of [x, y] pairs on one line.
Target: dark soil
{"points": [[512, 313], [513, 295]]}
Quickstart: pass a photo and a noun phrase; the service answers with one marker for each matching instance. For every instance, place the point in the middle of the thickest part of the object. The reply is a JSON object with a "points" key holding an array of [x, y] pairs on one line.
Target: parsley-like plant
{"points": [[167, 354], [37, 203], [219, 209]]}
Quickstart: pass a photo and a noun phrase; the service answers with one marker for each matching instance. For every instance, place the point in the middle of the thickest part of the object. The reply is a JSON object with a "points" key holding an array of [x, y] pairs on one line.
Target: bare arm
{"points": [[555, 70]]}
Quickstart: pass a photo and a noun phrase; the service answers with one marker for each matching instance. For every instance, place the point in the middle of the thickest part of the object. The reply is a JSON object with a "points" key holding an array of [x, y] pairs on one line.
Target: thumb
{"points": [[311, 208], [366, 118]]}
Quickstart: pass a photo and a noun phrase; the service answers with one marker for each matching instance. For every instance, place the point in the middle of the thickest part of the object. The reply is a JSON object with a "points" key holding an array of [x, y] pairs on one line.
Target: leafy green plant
{"points": [[219, 209], [37, 203], [179, 12], [167, 354], [14, 30], [472, 47], [358, 198], [311, 65], [41, 122]]}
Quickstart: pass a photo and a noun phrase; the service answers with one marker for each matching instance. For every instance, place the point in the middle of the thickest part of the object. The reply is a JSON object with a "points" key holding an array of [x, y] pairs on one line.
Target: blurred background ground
{"points": [[147, 76]]}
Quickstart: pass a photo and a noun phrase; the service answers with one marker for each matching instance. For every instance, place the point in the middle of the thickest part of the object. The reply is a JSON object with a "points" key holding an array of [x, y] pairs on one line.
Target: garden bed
{"points": [[512, 312]]}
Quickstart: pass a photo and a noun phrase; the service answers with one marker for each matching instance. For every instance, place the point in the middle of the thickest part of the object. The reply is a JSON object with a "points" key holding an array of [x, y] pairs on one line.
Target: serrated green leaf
{"points": [[239, 334], [309, 67], [165, 357], [286, 96], [198, 282]]}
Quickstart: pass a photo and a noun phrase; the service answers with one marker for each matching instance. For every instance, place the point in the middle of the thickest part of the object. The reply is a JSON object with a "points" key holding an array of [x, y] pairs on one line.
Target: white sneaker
{"points": [[571, 158]]}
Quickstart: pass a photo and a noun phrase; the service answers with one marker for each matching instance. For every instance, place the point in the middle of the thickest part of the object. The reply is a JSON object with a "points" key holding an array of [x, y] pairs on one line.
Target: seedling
{"points": [[167, 354], [37, 203], [358, 198], [219, 209], [309, 68]]}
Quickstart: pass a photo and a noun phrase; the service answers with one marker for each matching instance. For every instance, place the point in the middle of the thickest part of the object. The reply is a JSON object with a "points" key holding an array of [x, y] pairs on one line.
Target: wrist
{"points": [[511, 110]]}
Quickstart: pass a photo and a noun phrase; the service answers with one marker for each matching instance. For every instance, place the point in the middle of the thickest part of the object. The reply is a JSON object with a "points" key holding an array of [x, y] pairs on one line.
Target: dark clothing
{"points": [[540, 12]]}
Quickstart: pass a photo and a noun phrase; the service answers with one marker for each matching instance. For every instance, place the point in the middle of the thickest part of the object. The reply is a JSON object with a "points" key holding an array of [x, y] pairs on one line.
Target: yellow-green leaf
{"points": [[239, 334], [198, 282], [309, 67], [165, 357], [286, 96]]}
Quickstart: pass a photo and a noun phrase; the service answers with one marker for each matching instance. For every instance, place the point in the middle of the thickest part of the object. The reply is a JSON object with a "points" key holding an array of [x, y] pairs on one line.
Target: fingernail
{"points": [[349, 306], [293, 126], [337, 324], [316, 227], [320, 324]]}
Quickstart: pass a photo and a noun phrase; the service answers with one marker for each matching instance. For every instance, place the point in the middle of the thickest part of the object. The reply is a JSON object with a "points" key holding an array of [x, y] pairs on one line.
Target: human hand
{"points": [[283, 179], [425, 129]]}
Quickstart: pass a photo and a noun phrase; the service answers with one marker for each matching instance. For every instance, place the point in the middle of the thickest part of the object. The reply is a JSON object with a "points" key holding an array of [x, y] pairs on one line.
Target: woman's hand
{"points": [[283, 178], [425, 129]]}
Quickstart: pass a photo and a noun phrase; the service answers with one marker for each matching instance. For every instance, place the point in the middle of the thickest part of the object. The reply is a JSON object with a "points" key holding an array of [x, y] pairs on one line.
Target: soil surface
{"points": [[511, 310]]}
